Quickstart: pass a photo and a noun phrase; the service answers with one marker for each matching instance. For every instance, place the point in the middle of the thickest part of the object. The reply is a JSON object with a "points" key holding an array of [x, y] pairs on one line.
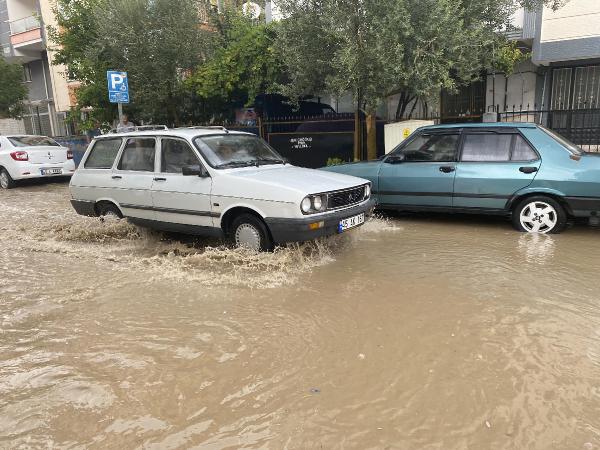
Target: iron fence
{"points": [[581, 126]]}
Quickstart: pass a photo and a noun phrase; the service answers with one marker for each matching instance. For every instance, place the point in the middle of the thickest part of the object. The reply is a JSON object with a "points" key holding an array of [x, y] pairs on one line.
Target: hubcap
{"points": [[3, 180], [538, 217], [247, 236]]}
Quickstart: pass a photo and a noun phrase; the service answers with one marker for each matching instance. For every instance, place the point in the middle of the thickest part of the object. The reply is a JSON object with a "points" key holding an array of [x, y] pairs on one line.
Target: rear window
{"points": [[570, 146], [103, 154], [138, 155], [33, 141], [487, 147]]}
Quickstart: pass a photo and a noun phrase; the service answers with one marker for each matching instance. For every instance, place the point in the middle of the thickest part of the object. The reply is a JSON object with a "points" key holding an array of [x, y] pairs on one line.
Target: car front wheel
{"points": [[539, 214], [250, 232], [6, 181]]}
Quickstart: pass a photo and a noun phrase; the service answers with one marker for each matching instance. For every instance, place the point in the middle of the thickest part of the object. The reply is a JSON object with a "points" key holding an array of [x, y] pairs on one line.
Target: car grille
{"points": [[341, 199]]}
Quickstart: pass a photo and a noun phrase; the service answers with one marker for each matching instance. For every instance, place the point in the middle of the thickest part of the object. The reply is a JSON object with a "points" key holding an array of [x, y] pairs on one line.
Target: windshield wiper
{"points": [[270, 161], [236, 164]]}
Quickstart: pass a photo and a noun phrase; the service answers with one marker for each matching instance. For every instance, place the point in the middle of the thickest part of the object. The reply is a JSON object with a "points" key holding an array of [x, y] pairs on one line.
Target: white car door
{"points": [[178, 198], [132, 177]]}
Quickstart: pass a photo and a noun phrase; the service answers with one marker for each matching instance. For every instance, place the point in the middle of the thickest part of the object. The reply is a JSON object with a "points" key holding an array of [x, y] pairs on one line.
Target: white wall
{"points": [[19, 9], [576, 19], [11, 126]]}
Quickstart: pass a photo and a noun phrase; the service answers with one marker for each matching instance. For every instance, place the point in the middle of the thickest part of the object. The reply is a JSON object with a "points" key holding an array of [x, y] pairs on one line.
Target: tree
{"points": [[158, 42], [12, 90], [376, 48], [244, 64]]}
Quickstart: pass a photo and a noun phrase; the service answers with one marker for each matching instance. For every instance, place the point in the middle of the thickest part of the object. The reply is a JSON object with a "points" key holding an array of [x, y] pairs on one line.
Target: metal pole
{"points": [[268, 11], [120, 105]]}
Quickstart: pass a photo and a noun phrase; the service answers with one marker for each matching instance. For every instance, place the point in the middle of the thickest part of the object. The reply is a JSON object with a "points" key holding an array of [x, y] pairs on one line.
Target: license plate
{"points": [[351, 222], [51, 171]]}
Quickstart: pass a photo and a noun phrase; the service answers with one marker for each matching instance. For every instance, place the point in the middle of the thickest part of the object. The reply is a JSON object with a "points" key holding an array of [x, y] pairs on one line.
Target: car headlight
{"points": [[313, 204], [306, 205], [367, 191], [317, 203]]}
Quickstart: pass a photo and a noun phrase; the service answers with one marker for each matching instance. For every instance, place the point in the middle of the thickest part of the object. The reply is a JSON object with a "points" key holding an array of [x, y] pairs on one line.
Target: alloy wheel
{"points": [[538, 217]]}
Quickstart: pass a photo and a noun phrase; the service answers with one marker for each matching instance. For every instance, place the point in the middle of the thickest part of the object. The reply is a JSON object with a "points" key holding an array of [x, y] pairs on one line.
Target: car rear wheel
{"points": [[6, 181], [250, 232], [109, 210], [539, 214]]}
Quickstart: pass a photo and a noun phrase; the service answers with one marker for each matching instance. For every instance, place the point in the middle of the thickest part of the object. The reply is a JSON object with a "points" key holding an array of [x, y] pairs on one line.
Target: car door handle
{"points": [[447, 169], [528, 169], [160, 179], [117, 177]]}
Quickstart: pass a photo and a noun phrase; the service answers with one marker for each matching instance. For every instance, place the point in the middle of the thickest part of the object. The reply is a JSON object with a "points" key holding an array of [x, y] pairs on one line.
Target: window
{"points": [[138, 155], [33, 141], [103, 154], [176, 154], [431, 148], [523, 151], [236, 150], [487, 147]]}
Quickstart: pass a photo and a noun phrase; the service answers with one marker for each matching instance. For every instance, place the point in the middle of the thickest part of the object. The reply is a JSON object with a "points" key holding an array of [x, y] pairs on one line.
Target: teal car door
{"points": [[420, 172], [492, 167]]}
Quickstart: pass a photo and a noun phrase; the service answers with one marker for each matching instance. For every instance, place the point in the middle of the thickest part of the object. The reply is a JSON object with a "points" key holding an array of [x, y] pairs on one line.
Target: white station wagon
{"points": [[211, 181], [26, 156]]}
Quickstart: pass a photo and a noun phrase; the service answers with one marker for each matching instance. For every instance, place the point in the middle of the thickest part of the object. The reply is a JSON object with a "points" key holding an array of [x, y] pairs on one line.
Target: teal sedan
{"points": [[523, 170]]}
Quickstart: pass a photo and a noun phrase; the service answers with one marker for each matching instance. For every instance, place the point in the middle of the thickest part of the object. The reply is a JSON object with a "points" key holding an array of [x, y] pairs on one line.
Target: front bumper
{"points": [[298, 230]]}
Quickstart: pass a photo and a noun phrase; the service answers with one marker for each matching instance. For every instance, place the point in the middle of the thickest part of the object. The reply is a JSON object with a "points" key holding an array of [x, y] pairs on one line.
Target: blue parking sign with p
{"points": [[118, 86]]}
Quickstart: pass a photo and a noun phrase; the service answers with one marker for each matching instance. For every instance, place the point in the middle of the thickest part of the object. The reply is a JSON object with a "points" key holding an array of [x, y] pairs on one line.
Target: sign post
{"points": [[118, 89]]}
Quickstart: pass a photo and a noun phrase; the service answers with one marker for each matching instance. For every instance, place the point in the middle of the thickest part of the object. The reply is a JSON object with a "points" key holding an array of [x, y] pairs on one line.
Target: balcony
{"points": [[522, 26], [26, 34]]}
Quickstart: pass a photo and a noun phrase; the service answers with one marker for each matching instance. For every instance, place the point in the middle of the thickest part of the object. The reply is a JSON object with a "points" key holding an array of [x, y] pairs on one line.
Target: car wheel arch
{"points": [[558, 197], [99, 203], [228, 216]]}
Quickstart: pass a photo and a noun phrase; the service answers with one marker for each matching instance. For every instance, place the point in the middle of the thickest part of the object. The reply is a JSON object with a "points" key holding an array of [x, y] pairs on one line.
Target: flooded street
{"points": [[412, 332]]}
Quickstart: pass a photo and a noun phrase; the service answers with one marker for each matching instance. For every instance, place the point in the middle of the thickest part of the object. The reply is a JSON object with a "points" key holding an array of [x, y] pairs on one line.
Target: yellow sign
{"points": [[406, 133]]}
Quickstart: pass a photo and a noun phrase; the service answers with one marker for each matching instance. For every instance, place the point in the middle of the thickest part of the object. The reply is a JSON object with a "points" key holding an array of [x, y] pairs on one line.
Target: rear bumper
{"points": [[298, 230], [25, 170], [84, 208], [583, 206]]}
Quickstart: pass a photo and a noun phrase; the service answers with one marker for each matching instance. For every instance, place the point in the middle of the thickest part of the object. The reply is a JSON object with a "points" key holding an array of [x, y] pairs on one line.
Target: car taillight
{"points": [[69, 154], [19, 156]]}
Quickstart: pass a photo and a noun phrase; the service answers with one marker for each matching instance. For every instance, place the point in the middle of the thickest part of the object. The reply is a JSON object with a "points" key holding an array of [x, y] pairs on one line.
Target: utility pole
{"points": [[219, 6], [268, 11]]}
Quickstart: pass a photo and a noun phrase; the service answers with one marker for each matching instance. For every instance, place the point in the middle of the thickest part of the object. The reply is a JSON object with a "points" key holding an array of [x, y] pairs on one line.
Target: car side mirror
{"points": [[395, 159], [194, 171]]}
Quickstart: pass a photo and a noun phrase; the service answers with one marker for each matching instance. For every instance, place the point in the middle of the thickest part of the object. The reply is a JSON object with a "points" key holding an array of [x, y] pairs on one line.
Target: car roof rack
{"points": [[139, 128], [207, 127]]}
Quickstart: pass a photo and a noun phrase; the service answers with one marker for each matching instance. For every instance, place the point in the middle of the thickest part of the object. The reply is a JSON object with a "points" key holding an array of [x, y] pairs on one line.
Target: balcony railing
{"points": [[25, 24]]}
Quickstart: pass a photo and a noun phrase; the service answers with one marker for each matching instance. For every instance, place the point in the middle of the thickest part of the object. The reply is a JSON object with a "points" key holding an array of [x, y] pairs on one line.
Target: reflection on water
{"points": [[412, 332]]}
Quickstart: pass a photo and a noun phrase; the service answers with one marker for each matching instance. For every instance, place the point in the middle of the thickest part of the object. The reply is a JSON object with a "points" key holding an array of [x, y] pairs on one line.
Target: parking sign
{"points": [[118, 86]]}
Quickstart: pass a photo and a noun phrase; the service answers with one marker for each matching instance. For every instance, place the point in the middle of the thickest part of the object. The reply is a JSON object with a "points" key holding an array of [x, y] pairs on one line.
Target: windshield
{"points": [[230, 150], [32, 141], [573, 148]]}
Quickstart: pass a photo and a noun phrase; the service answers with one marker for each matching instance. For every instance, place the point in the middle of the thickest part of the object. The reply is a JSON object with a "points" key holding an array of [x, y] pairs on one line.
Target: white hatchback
{"points": [[24, 157], [211, 181]]}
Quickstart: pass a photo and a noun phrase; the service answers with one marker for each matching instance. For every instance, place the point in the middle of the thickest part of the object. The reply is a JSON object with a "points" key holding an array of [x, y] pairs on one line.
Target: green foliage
{"points": [[509, 56], [158, 42], [244, 64], [334, 161], [12, 89], [375, 48]]}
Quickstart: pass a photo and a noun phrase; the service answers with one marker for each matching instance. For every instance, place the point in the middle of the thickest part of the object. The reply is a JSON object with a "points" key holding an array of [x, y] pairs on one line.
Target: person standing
{"points": [[124, 124]]}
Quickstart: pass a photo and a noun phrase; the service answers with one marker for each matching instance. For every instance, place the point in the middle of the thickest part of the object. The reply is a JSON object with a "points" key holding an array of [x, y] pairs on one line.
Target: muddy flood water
{"points": [[412, 332]]}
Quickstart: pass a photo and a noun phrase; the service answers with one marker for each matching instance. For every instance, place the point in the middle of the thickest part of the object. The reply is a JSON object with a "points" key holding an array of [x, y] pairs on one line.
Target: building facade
{"points": [[23, 40]]}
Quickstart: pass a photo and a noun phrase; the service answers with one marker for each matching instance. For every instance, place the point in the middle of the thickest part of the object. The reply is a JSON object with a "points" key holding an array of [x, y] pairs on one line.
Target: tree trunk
{"points": [[371, 136]]}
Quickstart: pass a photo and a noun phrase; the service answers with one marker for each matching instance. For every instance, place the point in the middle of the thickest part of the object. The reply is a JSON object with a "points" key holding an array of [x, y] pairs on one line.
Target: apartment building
{"points": [[23, 40]]}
